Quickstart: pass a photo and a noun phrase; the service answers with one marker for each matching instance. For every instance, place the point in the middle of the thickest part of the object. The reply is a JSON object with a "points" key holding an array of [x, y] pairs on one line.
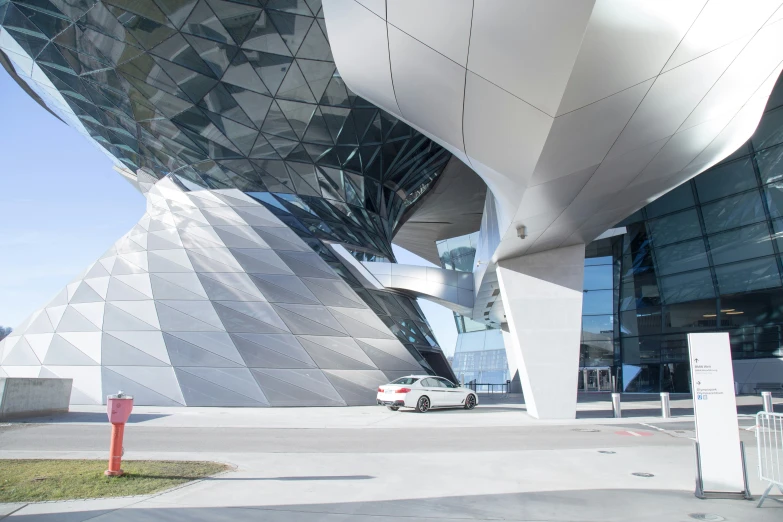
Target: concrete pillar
{"points": [[542, 296]]}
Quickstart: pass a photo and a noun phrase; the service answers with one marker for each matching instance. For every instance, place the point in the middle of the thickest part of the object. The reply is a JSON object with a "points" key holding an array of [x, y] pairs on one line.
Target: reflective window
{"points": [[681, 257], [754, 308], [677, 199], [724, 180], [735, 211], [643, 321], [670, 229], [598, 277], [748, 275], [777, 225], [774, 195], [689, 286], [743, 243], [770, 164], [596, 353], [597, 324], [692, 316], [597, 302], [405, 380]]}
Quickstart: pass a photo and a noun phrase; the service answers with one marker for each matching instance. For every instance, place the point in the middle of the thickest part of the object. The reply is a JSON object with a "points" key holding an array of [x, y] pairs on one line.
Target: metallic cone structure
{"points": [[210, 300]]}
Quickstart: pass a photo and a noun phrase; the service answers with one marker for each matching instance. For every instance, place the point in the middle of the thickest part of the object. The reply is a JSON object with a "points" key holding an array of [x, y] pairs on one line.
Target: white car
{"points": [[424, 392]]}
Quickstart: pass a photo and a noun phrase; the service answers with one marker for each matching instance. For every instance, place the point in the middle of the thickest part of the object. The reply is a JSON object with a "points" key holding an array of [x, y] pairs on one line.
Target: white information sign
{"points": [[715, 408]]}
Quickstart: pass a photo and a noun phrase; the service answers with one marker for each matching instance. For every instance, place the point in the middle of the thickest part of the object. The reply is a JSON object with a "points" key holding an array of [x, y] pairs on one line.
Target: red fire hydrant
{"points": [[118, 408]]}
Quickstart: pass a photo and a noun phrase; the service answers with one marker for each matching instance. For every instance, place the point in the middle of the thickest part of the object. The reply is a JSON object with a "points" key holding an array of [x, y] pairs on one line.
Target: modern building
{"points": [[575, 115], [231, 289], [283, 145]]}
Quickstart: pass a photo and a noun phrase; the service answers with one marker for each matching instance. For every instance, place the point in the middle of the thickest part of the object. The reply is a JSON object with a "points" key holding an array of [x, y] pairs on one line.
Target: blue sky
{"points": [[62, 206]]}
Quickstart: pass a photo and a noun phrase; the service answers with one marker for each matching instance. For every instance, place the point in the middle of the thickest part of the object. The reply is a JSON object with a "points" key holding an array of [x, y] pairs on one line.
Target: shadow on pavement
{"points": [[552, 506]]}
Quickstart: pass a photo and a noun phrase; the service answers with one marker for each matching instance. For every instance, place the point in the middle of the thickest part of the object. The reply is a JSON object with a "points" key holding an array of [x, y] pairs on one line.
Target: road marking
{"points": [[651, 426]]}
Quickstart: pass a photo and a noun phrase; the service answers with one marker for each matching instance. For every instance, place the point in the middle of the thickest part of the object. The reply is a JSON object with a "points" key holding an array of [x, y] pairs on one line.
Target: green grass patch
{"points": [[36, 480]]}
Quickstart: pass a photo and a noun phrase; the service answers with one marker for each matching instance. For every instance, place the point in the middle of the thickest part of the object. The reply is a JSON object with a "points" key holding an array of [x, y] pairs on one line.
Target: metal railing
{"points": [[481, 387], [769, 439]]}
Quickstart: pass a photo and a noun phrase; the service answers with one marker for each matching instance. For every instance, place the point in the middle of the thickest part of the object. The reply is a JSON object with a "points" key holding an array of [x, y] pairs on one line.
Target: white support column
{"points": [[542, 296]]}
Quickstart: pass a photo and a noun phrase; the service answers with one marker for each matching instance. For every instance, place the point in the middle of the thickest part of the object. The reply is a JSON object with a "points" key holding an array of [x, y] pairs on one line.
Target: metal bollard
{"points": [[766, 398], [666, 411], [616, 406]]}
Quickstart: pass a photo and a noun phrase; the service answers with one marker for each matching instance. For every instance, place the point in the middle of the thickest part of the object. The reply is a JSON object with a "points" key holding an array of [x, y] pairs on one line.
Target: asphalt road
{"points": [[64, 437]]}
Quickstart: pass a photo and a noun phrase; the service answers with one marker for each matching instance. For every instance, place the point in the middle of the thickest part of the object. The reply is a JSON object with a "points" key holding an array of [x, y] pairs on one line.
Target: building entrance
{"points": [[595, 379]]}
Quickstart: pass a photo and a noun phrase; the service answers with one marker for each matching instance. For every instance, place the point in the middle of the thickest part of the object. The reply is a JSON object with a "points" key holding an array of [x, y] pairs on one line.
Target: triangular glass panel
{"points": [[299, 154], [218, 56], [297, 114], [203, 22], [315, 46], [277, 124], [318, 131], [238, 19], [263, 149], [241, 74], [264, 37], [177, 11], [294, 86], [291, 27], [176, 49], [336, 94]]}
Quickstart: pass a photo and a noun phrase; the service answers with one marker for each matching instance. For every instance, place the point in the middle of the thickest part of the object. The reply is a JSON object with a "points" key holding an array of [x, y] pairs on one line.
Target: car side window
{"points": [[429, 383], [446, 383]]}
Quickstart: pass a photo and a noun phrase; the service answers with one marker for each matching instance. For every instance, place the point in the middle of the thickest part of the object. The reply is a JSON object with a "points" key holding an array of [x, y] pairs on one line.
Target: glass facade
{"points": [[704, 257]]}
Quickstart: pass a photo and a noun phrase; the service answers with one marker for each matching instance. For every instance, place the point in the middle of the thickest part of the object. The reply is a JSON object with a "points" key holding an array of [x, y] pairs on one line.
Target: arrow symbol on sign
{"points": [[696, 360], [699, 382]]}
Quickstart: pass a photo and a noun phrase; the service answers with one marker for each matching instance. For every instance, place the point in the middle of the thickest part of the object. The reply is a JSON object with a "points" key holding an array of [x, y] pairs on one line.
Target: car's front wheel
{"points": [[470, 402], [393, 408], [423, 404]]}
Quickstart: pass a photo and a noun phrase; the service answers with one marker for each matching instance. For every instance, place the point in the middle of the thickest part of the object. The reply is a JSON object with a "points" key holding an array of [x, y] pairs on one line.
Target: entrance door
{"points": [[595, 379]]}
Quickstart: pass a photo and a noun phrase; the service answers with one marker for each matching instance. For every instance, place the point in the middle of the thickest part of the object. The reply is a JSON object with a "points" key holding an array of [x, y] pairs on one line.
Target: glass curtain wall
{"points": [[706, 257]]}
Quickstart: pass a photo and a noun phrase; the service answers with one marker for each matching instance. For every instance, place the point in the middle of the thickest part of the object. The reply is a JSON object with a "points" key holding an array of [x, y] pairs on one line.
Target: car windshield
{"points": [[405, 380]]}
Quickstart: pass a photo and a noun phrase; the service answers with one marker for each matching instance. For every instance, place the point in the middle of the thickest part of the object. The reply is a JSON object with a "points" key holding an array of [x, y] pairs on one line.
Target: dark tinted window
{"points": [[405, 380]]}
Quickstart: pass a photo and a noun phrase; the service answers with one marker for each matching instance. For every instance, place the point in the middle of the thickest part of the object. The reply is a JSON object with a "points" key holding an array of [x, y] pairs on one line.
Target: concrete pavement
{"points": [[356, 464]]}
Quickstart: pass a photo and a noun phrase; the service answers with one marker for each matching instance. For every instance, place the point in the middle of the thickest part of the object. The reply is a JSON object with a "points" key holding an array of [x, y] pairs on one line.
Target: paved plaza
{"points": [[367, 463]]}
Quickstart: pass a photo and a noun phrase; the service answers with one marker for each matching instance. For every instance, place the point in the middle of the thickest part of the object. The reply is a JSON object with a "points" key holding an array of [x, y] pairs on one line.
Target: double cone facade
{"points": [[228, 291]]}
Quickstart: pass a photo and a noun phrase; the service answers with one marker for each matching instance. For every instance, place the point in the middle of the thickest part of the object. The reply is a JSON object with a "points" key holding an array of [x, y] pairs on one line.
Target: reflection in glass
{"points": [[744, 243], [726, 179], [689, 286], [735, 211], [673, 228], [748, 275], [681, 257]]}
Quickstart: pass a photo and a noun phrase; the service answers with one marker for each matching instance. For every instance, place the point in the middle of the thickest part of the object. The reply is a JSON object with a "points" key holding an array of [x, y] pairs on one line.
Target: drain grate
{"points": [[640, 474], [607, 452], [709, 517], [586, 430]]}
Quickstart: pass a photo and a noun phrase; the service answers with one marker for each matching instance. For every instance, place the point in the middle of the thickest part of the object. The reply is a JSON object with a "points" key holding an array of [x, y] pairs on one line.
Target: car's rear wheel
{"points": [[423, 404], [393, 408], [470, 402]]}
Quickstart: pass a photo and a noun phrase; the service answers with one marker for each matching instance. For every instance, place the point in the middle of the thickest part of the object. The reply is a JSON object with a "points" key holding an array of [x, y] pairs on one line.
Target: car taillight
{"points": [[380, 390], [402, 390]]}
